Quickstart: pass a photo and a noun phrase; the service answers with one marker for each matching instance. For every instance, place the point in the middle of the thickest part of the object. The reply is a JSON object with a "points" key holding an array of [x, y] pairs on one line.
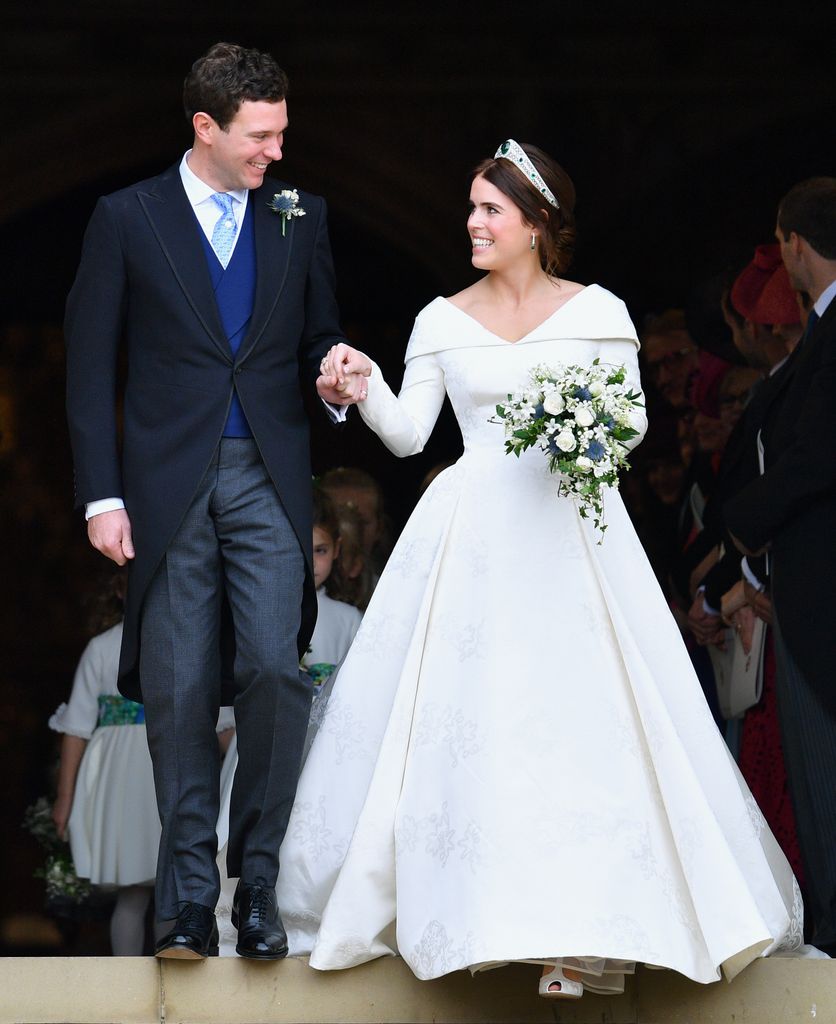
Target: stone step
{"points": [[141, 990]]}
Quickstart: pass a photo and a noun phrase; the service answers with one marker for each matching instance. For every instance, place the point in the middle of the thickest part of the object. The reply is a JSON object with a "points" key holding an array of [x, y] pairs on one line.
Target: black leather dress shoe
{"points": [[261, 934], [193, 937]]}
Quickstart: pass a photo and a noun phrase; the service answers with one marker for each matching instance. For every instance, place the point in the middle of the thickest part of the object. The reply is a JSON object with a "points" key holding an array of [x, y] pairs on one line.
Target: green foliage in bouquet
{"points": [[62, 883], [582, 418]]}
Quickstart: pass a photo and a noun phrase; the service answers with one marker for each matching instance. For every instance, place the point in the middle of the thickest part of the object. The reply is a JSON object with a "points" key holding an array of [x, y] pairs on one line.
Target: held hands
{"points": [[707, 628], [343, 376], [741, 606], [759, 601], [738, 614], [110, 533]]}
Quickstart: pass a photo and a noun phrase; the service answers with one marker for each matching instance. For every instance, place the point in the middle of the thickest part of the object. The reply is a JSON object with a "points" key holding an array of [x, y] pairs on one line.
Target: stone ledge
{"points": [[106, 990]]}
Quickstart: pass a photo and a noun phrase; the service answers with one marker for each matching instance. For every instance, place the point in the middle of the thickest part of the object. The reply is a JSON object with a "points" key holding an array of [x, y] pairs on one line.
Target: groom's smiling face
{"points": [[238, 156]]}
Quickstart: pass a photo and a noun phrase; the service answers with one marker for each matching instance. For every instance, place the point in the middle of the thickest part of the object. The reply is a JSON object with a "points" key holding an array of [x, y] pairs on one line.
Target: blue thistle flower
{"points": [[539, 412], [281, 204], [582, 394], [596, 451]]}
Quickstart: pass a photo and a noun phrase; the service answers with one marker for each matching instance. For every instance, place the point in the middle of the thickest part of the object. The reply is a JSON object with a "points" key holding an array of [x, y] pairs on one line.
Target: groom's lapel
{"points": [[272, 254], [173, 222]]}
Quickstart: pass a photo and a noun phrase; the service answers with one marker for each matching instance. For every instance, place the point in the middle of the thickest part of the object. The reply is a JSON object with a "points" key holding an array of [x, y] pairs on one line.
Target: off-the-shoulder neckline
{"points": [[529, 334]]}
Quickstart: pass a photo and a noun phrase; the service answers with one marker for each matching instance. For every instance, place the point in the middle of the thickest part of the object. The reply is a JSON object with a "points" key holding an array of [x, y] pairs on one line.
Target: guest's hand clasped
{"points": [[344, 373]]}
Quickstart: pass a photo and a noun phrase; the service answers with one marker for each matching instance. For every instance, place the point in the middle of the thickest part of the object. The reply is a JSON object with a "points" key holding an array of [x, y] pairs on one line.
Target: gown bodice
{"points": [[452, 353]]}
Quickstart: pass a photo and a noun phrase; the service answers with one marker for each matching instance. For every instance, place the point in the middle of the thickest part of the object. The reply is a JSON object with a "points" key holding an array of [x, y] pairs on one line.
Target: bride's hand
{"points": [[353, 389], [343, 375], [342, 360]]}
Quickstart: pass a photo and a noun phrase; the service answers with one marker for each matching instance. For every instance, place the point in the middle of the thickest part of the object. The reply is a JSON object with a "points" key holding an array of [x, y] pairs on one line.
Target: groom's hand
{"points": [[352, 390], [343, 376], [110, 533]]}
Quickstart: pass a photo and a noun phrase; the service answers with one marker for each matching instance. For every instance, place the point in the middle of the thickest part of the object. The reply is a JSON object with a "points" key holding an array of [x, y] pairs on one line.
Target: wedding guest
{"points": [[653, 495], [349, 485], [670, 356], [760, 290], [790, 510], [733, 396], [337, 621], [709, 438], [351, 578], [105, 804], [762, 312]]}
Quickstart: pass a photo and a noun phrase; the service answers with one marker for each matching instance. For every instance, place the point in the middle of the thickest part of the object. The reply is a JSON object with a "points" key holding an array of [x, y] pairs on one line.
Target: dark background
{"points": [[681, 124]]}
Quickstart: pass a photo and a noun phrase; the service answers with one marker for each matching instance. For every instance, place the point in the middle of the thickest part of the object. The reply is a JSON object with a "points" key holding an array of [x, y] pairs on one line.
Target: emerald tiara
{"points": [[513, 151]]}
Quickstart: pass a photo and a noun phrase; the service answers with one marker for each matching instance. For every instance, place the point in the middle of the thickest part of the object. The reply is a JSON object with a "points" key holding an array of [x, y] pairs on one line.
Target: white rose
{"points": [[565, 440], [583, 463], [584, 417], [554, 404], [596, 388]]}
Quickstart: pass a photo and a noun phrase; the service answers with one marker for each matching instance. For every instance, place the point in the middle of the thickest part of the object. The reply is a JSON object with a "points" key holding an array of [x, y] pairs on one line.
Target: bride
{"points": [[517, 762]]}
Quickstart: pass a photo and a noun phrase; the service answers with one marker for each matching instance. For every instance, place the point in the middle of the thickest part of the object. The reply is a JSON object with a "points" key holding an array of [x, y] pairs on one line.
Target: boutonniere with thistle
{"points": [[286, 204]]}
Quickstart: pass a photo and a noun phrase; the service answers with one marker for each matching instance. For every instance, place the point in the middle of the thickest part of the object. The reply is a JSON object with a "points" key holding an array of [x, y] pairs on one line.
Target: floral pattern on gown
{"points": [[517, 762]]}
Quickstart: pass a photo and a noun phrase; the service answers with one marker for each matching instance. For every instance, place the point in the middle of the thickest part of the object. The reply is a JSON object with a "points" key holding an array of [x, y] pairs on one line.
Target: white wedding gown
{"points": [[517, 761]]}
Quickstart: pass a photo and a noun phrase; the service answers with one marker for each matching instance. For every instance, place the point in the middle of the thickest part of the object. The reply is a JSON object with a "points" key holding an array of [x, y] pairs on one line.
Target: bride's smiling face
{"points": [[498, 234]]}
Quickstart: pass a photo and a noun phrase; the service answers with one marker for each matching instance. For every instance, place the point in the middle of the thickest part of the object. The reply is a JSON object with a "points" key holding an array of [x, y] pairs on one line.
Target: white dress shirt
{"points": [[824, 300], [205, 208]]}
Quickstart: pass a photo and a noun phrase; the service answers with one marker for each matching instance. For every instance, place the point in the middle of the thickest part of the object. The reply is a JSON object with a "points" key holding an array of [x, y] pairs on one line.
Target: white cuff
{"points": [[226, 719], [749, 576], [706, 607], [337, 413], [95, 508]]}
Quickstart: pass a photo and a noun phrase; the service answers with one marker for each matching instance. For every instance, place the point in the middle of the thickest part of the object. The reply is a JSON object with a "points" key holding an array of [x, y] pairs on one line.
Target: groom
{"points": [[224, 307]]}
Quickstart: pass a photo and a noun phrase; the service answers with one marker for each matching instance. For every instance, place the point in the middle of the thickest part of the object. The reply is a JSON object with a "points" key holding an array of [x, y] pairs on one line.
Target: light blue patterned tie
{"points": [[223, 234]]}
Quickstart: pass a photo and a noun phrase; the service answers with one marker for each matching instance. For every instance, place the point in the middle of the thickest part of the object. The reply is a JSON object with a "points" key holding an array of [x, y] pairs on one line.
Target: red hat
{"points": [[777, 303], [750, 283]]}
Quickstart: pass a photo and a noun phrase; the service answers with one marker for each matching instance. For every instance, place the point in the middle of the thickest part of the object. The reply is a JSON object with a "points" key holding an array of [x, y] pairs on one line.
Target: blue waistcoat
{"points": [[235, 295]]}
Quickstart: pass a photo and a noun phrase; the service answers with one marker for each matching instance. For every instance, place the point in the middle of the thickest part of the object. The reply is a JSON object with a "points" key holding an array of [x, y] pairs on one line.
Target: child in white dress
{"points": [[337, 621], [106, 804]]}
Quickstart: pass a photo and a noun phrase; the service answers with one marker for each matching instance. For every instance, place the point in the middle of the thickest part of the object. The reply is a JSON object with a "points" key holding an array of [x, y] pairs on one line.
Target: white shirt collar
{"points": [[826, 297], [197, 191]]}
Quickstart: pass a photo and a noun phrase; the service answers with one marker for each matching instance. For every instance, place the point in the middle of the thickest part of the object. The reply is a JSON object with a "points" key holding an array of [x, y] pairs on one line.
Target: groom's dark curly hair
{"points": [[227, 75]]}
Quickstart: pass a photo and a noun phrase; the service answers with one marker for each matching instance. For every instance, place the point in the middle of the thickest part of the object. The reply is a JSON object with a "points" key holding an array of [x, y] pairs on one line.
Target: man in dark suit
{"points": [[219, 283], [791, 510], [762, 313]]}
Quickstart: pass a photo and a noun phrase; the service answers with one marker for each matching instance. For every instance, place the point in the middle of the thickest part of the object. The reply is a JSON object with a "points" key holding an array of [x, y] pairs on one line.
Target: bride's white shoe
{"points": [[568, 989]]}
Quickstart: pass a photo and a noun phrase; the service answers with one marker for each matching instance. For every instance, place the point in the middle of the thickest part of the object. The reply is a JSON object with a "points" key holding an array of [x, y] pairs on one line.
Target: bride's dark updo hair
{"points": [[557, 227]]}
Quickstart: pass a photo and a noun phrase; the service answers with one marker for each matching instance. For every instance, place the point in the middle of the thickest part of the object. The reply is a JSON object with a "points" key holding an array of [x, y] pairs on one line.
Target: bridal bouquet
{"points": [[581, 417]]}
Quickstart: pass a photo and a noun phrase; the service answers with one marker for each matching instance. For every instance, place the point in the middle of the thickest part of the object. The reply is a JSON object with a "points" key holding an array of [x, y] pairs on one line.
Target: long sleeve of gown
{"points": [[624, 351], [404, 422]]}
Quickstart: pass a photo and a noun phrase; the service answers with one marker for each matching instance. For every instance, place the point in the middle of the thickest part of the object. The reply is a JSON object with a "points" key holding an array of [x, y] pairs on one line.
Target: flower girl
{"points": [[106, 804]]}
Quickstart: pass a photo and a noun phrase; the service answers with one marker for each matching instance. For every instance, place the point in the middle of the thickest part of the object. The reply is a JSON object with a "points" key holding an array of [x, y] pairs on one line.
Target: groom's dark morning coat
{"points": [[144, 283]]}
